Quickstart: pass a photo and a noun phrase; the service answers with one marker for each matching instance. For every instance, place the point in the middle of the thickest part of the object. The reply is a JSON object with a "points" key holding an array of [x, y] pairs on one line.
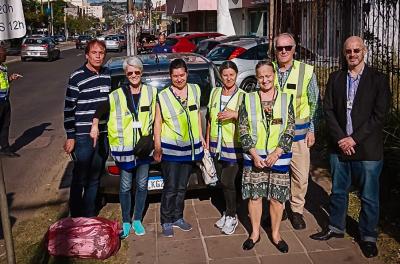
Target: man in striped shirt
{"points": [[88, 86]]}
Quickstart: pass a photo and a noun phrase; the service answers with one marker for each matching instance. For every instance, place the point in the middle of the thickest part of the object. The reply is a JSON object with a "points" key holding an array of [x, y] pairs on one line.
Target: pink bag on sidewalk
{"points": [[83, 238]]}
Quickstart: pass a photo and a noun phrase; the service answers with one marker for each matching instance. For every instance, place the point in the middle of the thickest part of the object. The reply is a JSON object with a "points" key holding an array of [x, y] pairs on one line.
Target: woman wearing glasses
{"points": [[266, 124], [131, 111]]}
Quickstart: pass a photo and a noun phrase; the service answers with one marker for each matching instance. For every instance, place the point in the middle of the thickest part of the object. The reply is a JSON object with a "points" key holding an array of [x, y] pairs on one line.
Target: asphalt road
{"points": [[37, 133]]}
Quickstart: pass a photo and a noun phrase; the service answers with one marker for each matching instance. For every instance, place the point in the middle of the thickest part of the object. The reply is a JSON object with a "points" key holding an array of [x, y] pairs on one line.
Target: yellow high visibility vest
{"points": [[180, 135], [122, 135], [266, 134], [4, 84], [229, 149], [297, 85]]}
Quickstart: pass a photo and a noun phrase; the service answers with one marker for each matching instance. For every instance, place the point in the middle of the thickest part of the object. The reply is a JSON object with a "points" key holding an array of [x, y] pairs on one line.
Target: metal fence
{"points": [[321, 27]]}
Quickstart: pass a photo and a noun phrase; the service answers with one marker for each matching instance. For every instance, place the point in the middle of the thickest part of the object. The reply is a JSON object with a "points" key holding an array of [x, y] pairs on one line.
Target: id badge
{"points": [[349, 105], [137, 124]]}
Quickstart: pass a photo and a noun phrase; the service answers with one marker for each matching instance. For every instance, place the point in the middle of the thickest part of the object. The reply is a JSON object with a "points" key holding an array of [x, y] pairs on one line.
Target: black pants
{"points": [[227, 173], [5, 118], [176, 177]]}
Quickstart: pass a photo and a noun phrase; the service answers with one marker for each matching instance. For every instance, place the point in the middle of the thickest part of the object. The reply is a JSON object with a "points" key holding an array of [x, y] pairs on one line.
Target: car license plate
{"points": [[155, 183], [33, 53]]}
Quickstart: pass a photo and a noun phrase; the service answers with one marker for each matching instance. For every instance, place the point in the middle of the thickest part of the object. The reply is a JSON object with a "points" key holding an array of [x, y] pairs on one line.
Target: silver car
{"points": [[113, 42], [39, 48]]}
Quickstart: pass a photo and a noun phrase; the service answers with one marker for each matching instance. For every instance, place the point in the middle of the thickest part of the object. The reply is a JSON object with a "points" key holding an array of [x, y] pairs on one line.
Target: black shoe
{"points": [[249, 244], [282, 246], [369, 249], [7, 152], [298, 221], [284, 215], [326, 235]]}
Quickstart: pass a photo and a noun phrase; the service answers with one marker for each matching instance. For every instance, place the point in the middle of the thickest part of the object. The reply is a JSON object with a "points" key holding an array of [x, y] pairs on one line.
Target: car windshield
{"points": [[35, 41], [205, 46], [162, 79], [171, 41], [221, 53], [111, 38]]}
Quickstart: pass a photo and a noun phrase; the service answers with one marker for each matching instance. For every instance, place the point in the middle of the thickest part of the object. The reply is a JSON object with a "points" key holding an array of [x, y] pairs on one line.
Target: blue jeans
{"points": [[88, 167], [366, 175], [142, 175], [176, 177]]}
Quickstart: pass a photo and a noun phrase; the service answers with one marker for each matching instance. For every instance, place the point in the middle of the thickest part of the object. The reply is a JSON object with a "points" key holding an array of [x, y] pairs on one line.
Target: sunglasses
{"points": [[349, 51], [129, 74], [286, 48]]}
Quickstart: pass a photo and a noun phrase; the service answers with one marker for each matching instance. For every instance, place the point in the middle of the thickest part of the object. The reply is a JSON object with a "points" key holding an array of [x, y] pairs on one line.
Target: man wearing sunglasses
{"points": [[356, 103], [298, 79]]}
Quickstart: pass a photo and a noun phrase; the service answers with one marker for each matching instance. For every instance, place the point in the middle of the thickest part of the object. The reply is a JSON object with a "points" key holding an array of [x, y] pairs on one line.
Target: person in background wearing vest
{"points": [[266, 123], [178, 143], [223, 140], [298, 79], [131, 112], [88, 87], [5, 107], [161, 46], [356, 103]]}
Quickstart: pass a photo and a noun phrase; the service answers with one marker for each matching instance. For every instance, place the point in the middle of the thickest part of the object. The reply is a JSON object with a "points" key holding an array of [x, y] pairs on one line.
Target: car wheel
{"points": [[23, 59], [249, 84], [50, 58]]}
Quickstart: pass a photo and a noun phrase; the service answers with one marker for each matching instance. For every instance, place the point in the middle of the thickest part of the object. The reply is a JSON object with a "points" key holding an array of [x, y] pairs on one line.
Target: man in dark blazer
{"points": [[355, 104]]}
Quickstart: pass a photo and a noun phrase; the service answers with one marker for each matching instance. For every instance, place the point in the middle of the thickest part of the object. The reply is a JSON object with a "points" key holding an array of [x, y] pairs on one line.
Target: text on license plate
{"points": [[33, 53], [155, 183]]}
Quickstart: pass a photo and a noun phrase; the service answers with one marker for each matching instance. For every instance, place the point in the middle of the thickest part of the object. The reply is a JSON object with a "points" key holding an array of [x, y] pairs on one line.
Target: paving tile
{"points": [[208, 229], [227, 247], [143, 252], [310, 244], [337, 256], [205, 210], [186, 251], [179, 234], [289, 258], [247, 260], [188, 213], [342, 243], [151, 231], [150, 216], [266, 248], [311, 223]]}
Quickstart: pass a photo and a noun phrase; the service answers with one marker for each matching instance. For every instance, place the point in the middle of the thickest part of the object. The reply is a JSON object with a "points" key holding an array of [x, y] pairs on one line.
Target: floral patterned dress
{"points": [[265, 182]]}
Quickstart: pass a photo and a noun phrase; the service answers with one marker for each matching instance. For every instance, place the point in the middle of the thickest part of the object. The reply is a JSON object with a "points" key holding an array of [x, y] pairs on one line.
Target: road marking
{"points": [[80, 54]]}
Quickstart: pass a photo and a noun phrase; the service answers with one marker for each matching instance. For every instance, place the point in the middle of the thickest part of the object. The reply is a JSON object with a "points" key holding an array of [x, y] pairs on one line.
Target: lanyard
{"points": [[136, 107], [281, 86]]}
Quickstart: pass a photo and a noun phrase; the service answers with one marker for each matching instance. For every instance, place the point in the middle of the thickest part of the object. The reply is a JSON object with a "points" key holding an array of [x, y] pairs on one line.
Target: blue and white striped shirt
{"points": [[85, 91]]}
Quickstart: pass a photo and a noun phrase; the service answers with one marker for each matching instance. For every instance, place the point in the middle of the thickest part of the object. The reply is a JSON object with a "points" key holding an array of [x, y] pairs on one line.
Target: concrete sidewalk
{"points": [[62, 46], [205, 243]]}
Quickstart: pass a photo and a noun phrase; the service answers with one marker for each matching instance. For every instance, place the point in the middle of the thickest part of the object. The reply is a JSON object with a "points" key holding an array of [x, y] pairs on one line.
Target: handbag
{"points": [[208, 170], [144, 146]]}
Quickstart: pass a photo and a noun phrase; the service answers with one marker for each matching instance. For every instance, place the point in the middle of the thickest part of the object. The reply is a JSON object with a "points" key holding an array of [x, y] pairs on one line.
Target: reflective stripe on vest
{"points": [[4, 84], [266, 135], [229, 148], [122, 136], [297, 85], [180, 135]]}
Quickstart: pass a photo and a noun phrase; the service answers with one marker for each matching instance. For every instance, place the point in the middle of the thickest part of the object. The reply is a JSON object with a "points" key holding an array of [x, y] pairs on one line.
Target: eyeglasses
{"points": [[286, 48], [349, 51], [129, 74]]}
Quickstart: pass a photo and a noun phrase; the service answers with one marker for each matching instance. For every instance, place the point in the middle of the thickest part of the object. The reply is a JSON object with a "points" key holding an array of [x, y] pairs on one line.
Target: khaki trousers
{"points": [[300, 169]]}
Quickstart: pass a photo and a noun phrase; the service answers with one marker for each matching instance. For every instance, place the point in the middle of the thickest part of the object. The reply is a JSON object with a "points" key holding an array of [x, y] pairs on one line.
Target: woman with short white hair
{"points": [[131, 111]]}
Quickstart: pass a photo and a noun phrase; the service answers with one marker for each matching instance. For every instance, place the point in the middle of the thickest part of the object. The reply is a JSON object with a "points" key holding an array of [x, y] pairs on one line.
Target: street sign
{"points": [[12, 20], [129, 18]]}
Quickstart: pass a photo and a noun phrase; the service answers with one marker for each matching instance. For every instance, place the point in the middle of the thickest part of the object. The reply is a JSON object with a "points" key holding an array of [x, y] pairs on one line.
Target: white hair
{"points": [[132, 61], [287, 35]]}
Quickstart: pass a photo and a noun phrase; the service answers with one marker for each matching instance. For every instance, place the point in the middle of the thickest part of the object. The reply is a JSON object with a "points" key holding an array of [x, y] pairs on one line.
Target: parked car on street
{"points": [[82, 40], [39, 48], [123, 40], [187, 42], [156, 74], [59, 38], [205, 46], [113, 42], [245, 53]]}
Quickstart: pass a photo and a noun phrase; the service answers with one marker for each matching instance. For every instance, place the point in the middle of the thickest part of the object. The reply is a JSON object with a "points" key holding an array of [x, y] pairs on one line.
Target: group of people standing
{"points": [[262, 137]]}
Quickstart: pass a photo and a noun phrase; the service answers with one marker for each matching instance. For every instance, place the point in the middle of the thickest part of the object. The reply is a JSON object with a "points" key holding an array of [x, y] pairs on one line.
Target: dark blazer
{"points": [[370, 106]]}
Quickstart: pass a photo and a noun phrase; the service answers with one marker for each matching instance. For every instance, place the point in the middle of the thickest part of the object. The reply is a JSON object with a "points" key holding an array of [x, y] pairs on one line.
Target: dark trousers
{"points": [[227, 173], [366, 175], [5, 118], [176, 177], [88, 167]]}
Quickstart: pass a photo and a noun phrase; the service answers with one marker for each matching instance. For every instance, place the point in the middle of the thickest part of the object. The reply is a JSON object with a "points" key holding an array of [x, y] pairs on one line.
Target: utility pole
{"points": [[271, 25], [52, 19], [131, 28], [65, 24]]}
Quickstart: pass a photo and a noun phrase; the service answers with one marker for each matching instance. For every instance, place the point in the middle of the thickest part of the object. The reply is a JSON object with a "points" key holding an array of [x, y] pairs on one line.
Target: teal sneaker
{"points": [[126, 228], [138, 227]]}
